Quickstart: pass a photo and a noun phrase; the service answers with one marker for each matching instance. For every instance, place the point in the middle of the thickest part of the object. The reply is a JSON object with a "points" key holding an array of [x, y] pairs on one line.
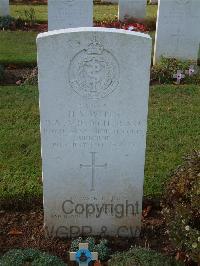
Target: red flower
{"points": [[122, 25]]}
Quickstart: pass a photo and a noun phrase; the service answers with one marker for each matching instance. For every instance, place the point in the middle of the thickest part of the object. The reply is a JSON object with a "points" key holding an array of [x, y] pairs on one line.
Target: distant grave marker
{"points": [[4, 8], [177, 33], [64, 14], [132, 9]]}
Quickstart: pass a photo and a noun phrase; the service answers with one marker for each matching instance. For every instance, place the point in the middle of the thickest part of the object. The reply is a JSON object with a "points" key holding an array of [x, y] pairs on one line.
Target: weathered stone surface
{"points": [[64, 14], [178, 29], [93, 86], [4, 8], [132, 9]]}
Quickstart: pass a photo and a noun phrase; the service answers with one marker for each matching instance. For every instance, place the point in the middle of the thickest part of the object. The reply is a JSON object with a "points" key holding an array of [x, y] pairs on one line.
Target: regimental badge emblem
{"points": [[94, 71]]}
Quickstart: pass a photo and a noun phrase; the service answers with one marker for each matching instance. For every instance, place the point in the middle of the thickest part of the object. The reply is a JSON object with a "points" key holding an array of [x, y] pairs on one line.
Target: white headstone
{"points": [[64, 14], [93, 86], [132, 9], [178, 29], [4, 8]]}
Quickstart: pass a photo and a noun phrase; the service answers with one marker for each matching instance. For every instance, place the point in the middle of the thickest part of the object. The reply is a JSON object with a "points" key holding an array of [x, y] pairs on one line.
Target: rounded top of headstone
{"points": [[92, 29]]}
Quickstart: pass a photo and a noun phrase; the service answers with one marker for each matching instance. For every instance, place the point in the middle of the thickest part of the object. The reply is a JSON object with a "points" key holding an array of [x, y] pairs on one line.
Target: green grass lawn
{"points": [[101, 12], [173, 130], [18, 47], [40, 11], [19, 142]]}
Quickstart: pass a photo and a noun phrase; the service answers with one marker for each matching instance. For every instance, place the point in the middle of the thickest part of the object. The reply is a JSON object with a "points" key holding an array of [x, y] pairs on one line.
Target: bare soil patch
{"points": [[22, 227]]}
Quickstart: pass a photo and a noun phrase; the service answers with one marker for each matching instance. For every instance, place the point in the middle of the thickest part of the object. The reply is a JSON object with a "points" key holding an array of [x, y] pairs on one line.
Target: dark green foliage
{"points": [[101, 247], [32, 257], [19, 23], [141, 257], [6, 22], [2, 72], [167, 67], [181, 210]]}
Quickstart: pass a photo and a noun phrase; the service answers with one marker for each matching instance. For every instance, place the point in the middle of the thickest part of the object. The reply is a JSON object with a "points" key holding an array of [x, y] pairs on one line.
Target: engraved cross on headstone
{"points": [[93, 166]]}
